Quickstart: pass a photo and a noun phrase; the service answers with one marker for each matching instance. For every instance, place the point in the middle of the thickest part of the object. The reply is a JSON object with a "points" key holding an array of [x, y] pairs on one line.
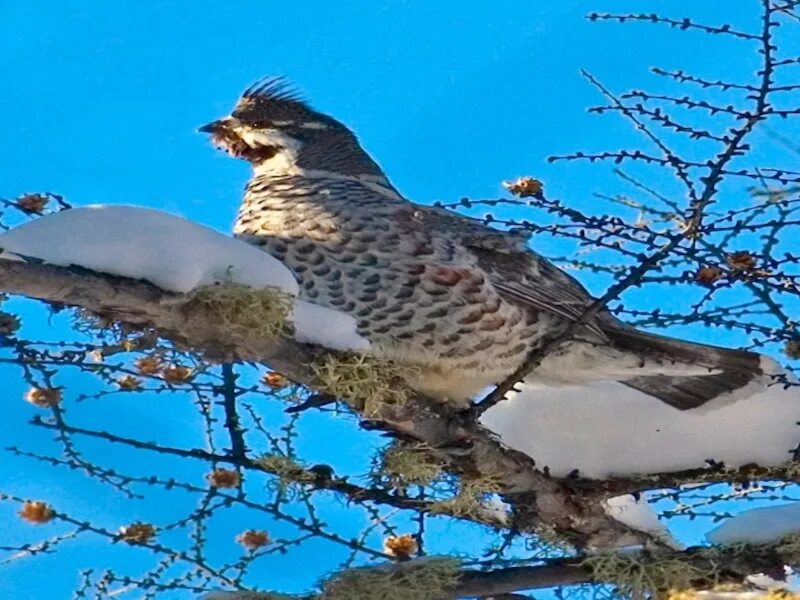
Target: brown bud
{"points": [[148, 365], [176, 374], [36, 512], [137, 533], [524, 187], [32, 203], [253, 539], [223, 478], [8, 323], [792, 348], [129, 382], [43, 397], [401, 546], [274, 380], [741, 261], [708, 275]]}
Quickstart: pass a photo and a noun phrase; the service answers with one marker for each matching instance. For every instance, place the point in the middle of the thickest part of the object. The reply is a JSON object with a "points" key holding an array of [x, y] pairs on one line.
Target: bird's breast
{"points": [[417, 294]]}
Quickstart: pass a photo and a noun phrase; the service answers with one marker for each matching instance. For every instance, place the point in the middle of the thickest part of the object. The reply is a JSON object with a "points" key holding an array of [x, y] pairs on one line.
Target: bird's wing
{"points": [[527, 279], [531, 280], [515, 271], [468, 230]]}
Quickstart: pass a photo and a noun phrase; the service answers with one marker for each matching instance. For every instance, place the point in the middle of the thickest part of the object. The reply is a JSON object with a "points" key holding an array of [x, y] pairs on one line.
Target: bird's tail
{"points": [[733, 374]]}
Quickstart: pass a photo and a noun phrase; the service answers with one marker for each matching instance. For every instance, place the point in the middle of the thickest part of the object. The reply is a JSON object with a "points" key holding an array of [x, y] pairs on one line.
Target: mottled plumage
{"points": [[464, 303]]}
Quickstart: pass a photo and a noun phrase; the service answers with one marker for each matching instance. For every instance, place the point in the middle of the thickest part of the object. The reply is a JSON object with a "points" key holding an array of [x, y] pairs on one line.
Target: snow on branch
{"points": [[84, 258], [194, 324], [175, 255]]}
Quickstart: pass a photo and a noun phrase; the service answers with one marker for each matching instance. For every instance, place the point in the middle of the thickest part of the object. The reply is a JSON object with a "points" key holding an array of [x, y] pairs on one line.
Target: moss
{"points": [[290, 476], [364, 382], [787, 471], [421, 579], [792, 349], [9, 323], [250, 312], [792, 470], [552, 543], [284, 467], [470, 500], [788, 548], [409, 464], [637, 576]]}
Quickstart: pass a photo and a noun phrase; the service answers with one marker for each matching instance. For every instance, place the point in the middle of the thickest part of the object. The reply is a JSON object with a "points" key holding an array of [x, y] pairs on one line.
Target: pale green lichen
{"points": [[366, 383], [788, 548], [470, 502], [551, 542], [247, 312], [290, 476], [788, 471], [409, 464], [284, 467], [421, 579], [792, 349], [639, 577]]}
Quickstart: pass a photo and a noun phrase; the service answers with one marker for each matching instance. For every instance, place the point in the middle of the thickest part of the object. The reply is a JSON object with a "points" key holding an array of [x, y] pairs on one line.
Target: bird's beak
{"points": [[213, 127], [221, 125]]}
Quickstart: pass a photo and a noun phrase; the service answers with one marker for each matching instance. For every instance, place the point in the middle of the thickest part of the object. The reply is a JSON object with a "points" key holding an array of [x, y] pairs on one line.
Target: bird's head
{"points": [[276, 131]]}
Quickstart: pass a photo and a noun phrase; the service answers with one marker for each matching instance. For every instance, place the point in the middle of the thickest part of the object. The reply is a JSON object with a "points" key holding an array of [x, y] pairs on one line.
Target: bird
{"points": [[463, 305]]}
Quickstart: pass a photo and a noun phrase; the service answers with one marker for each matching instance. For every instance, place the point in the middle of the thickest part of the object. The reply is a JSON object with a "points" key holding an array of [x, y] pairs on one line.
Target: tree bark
{"points": [[570, 507]]}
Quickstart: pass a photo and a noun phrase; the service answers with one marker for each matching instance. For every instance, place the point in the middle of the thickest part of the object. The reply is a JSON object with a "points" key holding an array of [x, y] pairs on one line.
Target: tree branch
{"points": [[457, 439], [513, 579]]}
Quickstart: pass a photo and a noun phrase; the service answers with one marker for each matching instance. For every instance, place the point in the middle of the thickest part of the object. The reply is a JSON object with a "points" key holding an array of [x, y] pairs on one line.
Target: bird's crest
{"points": [[272, 90]]}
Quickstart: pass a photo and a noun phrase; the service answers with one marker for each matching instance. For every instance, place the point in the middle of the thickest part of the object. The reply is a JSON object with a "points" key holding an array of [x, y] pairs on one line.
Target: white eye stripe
{"points": [[268, 137]]}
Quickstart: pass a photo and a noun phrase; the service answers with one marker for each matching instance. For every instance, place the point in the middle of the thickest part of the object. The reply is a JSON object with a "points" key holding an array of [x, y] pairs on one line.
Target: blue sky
{"points": [[102, 100]]}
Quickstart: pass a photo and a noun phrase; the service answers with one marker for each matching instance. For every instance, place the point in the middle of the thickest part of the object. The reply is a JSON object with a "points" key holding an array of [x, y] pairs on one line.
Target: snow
{"points": [[314, 324], [765, 582], [497, 510], [605, 429], [638, 515], [173, 254], [141, 243], [758, 525]]}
